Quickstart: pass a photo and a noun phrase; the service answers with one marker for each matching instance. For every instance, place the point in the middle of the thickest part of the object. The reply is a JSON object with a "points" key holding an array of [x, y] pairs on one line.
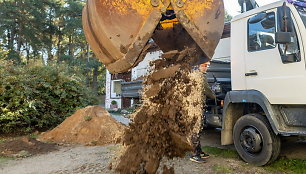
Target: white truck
{"points": [[258, 73], [267, 97], [261, 91]]}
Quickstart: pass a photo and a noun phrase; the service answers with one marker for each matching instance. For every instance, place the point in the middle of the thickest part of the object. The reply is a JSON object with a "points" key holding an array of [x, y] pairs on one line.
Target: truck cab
{"points": [[268, 78]]}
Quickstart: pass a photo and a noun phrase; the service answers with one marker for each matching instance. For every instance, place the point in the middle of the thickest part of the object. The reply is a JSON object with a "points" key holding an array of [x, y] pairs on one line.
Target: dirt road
{"points": [[96, 160], [67, 160]]}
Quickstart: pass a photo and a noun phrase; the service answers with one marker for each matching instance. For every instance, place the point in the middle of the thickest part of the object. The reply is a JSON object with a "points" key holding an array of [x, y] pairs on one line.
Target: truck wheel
{"points": [[255, 141]]}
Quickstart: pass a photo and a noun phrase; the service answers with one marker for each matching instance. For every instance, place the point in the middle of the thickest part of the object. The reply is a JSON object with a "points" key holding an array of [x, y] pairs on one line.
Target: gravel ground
{"points": [[96, 160], [121, 118], [83, 160]]}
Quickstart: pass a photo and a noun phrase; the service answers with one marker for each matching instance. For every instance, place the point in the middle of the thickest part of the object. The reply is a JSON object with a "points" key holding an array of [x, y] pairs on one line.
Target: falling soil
{"points": [[25, 146], [92, 125], [171, 113]]}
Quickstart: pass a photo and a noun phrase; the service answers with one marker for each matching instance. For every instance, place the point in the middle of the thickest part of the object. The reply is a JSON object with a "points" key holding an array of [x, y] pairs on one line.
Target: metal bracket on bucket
{"points": [[180, 3], [155, 3]]}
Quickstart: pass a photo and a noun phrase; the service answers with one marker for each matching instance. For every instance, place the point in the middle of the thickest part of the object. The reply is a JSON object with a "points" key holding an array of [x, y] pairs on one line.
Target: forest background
{"points": [[47, 69]]}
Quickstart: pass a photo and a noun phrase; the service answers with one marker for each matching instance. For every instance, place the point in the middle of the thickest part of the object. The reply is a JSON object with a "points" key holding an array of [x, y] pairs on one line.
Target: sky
{"points": [[233, 7]]}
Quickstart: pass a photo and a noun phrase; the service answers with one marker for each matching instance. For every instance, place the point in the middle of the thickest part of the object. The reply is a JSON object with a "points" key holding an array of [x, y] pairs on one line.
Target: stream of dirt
{"points": [[171, 112]]}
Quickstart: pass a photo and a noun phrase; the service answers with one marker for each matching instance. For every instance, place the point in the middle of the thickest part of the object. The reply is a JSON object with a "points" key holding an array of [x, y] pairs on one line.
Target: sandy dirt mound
{"points": [[171, 112], [92, 125], [25, 146]]}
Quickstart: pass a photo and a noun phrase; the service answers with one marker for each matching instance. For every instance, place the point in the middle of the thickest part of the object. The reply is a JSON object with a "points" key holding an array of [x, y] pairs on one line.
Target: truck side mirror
{"points": [[259, 17], [283, 38], [284, 19]]}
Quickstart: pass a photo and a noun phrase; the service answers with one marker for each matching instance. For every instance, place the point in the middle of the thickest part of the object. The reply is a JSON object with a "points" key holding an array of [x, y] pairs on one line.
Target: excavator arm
{"points": [[118, 31]]}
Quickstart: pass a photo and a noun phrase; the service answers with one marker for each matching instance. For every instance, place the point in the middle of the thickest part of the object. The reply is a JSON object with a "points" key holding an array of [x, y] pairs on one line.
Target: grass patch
{"points": [[33, 135], [2, 140], [114, 112], [284, 165], [223, 153], [297, 166], [114, 147], [221, 169], [94, 143], [4, 159], [87, 118]]}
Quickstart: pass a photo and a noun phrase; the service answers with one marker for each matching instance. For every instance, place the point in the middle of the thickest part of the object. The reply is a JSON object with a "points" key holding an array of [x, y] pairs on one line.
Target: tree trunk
{"points": [[8, 35], [19, 44], [19, 40], [59, 46], [71, 46], [43, 60], [50, 55], [95, 80], [36, 54], [12, 48], [88, 69], [28, 53], [12, 38], [20, 24]]}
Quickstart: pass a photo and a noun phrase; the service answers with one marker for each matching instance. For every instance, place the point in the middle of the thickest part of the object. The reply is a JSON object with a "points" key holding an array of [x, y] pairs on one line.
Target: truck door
{"points": [[281, 82]]}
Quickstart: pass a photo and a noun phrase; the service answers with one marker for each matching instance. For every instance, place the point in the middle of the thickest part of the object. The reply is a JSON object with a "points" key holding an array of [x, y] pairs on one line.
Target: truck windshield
{"points": [[302, 12]]}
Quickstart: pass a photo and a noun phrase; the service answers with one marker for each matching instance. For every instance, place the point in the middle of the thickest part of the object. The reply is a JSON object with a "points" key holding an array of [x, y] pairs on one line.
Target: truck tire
{"points": [[255, 141]]}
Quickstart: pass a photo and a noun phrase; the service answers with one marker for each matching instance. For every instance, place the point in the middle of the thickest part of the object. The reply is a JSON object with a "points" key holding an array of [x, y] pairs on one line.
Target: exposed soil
{"points": [[92, 125], [171, 112], [25, 146]]}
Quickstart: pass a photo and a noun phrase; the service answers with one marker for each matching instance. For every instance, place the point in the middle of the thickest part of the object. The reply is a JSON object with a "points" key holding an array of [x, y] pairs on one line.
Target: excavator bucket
{"points": [[118, 31]]}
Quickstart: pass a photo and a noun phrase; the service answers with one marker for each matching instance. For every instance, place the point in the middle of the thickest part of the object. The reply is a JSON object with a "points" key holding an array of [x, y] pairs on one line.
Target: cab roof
{"points": [[258, 10]]}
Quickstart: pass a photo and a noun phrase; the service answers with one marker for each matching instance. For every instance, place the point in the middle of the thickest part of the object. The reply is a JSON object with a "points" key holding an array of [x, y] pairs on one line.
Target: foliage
{"points": [[224, 153], [48, 31], [221, 169], [228, 17], [130, 110], [282, 165], [37, 97], [114, 102], [297, 166], [34, 135], [41, 26], [87, 118], [116, 112], [4, 159], [94, 71], [94, 143]]}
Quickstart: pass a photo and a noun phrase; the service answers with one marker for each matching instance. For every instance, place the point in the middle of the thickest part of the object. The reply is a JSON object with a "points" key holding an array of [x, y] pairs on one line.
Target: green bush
{"points": [[36, 97]]}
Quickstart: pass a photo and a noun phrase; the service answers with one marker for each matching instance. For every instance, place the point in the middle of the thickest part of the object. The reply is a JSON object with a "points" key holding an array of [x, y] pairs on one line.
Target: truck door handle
{"points": [[251, 74]]}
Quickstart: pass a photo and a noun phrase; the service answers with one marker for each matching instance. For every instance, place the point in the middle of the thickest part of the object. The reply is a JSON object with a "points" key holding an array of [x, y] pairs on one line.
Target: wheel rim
{"points": [[251, 140]]}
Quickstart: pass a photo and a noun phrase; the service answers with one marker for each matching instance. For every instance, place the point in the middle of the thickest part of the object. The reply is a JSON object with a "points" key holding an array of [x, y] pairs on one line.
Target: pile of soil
{"points": [[92, 125], [25, 146], [171, 113]]}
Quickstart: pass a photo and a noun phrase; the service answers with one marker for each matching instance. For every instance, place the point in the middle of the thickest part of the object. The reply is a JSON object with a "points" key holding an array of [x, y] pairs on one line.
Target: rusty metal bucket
{"points": [[119, 30]]}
